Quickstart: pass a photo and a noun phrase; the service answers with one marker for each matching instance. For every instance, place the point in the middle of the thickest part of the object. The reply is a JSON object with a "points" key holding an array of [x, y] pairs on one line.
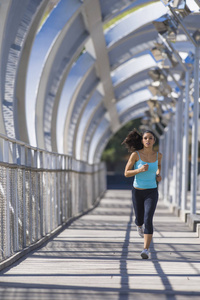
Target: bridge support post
{"points": [[185, 158], [177, 153], [194, 158]]}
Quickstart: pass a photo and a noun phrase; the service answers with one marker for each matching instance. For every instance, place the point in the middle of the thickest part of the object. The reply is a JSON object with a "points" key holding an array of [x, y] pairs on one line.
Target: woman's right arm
{"points": [[128, 169]]}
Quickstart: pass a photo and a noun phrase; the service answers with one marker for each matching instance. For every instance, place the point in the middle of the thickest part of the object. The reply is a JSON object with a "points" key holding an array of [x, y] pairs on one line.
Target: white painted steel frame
{"points": [[120, 97], [36, 200], [185, 161], [195, 124]]}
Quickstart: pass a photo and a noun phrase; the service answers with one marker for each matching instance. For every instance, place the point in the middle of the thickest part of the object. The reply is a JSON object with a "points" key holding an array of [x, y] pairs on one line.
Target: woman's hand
{"points": [[144, 168], [158, 178]]}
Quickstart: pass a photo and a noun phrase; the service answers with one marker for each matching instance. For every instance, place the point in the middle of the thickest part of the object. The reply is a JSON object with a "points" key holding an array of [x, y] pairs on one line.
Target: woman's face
{"points": [[148, 140]]}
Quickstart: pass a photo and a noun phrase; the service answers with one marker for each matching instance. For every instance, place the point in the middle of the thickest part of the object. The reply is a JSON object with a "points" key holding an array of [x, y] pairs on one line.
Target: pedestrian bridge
{"points": [[73, 72], [98, 257]]}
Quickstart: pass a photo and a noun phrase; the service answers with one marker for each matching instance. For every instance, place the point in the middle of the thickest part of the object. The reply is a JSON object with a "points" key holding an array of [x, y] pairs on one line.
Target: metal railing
{"points": [[40, 191], [175, 188]]}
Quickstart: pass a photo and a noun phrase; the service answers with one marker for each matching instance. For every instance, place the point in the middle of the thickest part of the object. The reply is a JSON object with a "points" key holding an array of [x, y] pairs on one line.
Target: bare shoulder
{"points": [[134, 157], [159, 155]]}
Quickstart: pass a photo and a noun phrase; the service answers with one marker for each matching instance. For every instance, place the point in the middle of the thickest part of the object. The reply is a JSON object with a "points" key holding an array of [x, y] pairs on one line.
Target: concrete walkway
{"points": [[98, 257]]}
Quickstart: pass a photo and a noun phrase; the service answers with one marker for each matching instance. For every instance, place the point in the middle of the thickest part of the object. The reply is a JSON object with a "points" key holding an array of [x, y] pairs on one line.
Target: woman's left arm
{"points": [[158, 177]]}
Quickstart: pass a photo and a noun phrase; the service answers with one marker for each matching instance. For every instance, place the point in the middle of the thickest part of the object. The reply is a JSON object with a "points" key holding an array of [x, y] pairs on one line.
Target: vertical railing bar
{"points": [[47, 191], [185, 143], [5, 151], [41, 195], [30, 208], [16, 212], [8, 236], [195, 124], [59, 197], [65, 185], [22, 158], [50, 161], [24, 207], [29, 160], [35, 164], [14, 153]]}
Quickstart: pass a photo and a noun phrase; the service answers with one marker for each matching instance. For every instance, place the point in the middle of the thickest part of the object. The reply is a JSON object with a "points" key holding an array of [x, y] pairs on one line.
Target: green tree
{"points": [[115, 154]]}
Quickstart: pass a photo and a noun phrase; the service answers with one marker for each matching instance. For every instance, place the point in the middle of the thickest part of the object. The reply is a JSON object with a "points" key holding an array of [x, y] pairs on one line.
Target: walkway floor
{"points": [[98, 257]]}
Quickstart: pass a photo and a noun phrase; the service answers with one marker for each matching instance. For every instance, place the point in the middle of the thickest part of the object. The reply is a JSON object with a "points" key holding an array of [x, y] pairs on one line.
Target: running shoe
{"points": [[145, 254], [140, 230]]}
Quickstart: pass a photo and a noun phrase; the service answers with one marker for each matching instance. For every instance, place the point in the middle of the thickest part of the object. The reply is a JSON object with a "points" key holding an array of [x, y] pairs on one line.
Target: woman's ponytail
{"points": [[133, 141]]}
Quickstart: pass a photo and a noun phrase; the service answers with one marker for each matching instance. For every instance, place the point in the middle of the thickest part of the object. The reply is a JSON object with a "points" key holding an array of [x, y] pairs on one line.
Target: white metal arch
{"points": [[90, 130], [110, 8], [60, 89], [22, 72], [103, 128], [71, 126], [136, 42], [72, 87], [64, 12], [135, 113], [94, 108], [133, 21], [16, 28], [131, 68], [57, 65]]}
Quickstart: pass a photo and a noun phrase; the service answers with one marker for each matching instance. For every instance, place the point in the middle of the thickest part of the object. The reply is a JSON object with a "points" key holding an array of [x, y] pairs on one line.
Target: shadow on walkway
{"points": [[98, 257]]}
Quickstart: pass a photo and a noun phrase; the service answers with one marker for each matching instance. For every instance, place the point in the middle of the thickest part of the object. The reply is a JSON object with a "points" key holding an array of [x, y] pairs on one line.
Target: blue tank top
{"points": [[146, 180]]}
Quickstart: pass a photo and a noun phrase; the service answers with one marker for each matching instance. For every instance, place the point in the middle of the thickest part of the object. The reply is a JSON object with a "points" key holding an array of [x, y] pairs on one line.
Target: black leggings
{"points": [[144, 203]]}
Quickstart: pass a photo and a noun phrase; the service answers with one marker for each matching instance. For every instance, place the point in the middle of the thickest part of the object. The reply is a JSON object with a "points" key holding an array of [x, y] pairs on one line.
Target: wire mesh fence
{"points": [[39, 191]]}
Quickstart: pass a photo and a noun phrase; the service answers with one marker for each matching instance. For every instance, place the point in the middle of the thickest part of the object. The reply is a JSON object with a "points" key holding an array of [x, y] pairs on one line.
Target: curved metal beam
{"points": [[90, 129], [131, 68], [94, 106], [44, 41], [78, 110], [137, 42], [133, 22], [97, 48], [111, 8], [137, 100], [102, 130], [137, 82], [4, 13], [135, 113], [57, 94], [79, 100], [18, 24], [22, 73], [132, 100], [60, 59], [75, 81]]}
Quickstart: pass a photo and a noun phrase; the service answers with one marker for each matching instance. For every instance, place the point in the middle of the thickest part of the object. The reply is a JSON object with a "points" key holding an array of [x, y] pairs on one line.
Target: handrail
{"points": [[39, 192]]}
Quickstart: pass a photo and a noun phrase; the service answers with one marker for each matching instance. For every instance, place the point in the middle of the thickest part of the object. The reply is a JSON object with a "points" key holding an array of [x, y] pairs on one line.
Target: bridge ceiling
{"points": [[68, 84]]}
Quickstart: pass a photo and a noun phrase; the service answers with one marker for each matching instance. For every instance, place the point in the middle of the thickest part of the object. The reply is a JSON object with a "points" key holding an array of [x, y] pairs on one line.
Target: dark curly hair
{"points": [[133, 141]]}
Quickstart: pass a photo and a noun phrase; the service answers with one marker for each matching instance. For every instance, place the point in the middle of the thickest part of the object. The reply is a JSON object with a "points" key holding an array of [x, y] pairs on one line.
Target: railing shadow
{"points": [[88, 247], [123, 293]]}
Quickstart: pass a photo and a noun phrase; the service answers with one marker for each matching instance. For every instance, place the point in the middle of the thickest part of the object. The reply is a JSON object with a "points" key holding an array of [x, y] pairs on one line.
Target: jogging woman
{"points": [[147, 168]]}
